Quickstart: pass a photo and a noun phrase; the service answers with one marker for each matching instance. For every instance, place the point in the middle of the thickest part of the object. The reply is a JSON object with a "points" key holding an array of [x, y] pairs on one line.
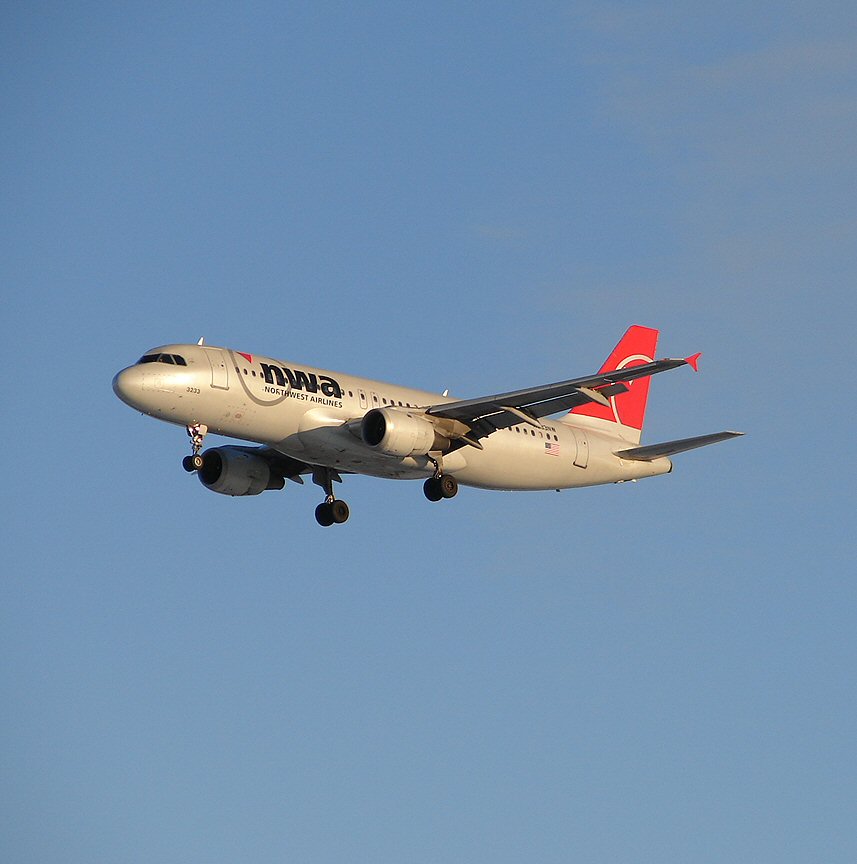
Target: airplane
{"points": [[313, 422]]}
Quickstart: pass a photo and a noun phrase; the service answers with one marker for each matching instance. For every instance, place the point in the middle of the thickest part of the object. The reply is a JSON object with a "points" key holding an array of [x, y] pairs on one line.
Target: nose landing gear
{"points": [[196, 433]]}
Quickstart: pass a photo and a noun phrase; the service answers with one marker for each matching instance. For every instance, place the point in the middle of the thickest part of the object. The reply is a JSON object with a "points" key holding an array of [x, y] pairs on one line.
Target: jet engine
{"points": [[234, 471], [400, 433]]}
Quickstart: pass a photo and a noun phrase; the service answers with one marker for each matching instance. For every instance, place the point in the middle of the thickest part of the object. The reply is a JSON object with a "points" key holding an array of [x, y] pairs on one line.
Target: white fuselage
{"points": [[314, 415]]}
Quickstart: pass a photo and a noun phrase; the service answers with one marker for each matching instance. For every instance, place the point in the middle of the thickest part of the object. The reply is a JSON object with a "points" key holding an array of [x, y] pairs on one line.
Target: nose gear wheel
{"points": [[196, 432], [193, 463]]}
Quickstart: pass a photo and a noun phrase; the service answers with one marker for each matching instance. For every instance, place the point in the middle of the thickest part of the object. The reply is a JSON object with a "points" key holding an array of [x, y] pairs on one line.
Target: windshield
{"points": [[171, 359]]}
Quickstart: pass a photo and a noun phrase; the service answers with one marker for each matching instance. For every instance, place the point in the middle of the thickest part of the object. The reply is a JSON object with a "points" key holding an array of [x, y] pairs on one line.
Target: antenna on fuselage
{"points": [[201, 340]]}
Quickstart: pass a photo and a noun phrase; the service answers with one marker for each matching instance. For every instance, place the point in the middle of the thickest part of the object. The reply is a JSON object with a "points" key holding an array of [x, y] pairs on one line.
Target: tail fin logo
{"points": [[633, 389], [635, 348]]}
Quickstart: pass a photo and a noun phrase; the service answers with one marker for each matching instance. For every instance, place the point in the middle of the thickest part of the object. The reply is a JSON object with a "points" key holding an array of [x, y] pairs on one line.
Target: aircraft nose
{"points": [[127, 385]]}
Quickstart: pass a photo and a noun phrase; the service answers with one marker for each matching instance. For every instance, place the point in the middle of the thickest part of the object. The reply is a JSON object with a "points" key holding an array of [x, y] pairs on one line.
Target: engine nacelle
{"points": [[398, 432], [233, 471]]}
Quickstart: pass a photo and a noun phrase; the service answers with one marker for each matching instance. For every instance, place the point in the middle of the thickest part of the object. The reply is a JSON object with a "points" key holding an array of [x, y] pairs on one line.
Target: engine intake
{"points": [[233, 471], [400, 433]]}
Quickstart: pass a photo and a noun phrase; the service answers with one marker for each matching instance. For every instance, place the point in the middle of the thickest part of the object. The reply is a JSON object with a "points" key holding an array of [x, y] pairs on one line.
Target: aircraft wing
{"points": [[490, 413], [280, 464], [668, 448]]}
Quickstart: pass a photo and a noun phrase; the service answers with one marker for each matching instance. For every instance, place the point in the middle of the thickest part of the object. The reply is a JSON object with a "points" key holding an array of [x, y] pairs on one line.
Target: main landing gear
{"points": [[441, 485], [196, 433], [438, 488], [331, 511]]}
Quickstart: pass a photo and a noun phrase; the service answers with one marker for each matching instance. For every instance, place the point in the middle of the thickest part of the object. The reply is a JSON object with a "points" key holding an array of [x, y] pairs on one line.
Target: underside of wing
{"points": [[490, 413], [280, 464]]}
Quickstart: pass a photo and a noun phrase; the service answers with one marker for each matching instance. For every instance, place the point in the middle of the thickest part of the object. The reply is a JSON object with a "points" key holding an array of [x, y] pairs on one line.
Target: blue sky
{"points": [[471, 196]]}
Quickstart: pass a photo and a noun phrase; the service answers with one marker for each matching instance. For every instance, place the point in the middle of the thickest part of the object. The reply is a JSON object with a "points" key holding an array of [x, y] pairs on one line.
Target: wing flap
{"points": [[669, 448]]}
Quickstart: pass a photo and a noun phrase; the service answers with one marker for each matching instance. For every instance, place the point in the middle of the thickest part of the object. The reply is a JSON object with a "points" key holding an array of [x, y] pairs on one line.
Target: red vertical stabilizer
{"points": [[635, 348]]}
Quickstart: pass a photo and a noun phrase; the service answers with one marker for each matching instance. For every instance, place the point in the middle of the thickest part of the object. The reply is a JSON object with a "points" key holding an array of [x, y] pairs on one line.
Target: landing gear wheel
{"points": [[193, 463], [431, 489], [330, 511], [438, 488], [324, 515], [448, 486], [338, 511]]}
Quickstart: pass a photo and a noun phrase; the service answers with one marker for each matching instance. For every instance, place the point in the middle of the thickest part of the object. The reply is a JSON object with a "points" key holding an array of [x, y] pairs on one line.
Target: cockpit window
{"points": [[171, 359]]}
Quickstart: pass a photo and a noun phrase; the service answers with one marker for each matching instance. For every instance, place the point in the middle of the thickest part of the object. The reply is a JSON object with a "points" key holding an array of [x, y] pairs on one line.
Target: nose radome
{"points": [[126, 384]]}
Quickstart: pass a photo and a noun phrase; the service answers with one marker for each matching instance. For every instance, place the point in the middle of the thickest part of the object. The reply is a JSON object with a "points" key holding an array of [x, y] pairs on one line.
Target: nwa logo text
{"points": [[297, 379]]}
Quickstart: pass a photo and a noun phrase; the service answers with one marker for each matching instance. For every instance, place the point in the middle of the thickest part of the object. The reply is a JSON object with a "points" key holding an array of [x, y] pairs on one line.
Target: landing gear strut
{"points": [[196, 432], [441, 485], [331, 511]]}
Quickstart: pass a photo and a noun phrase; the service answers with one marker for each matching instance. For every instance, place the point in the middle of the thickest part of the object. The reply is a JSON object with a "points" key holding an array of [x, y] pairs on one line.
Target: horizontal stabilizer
{"points": [[668, 448]]}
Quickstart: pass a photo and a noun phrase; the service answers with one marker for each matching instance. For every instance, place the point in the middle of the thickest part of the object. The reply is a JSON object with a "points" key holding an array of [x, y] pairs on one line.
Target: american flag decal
{"points": [[551, 449]]}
